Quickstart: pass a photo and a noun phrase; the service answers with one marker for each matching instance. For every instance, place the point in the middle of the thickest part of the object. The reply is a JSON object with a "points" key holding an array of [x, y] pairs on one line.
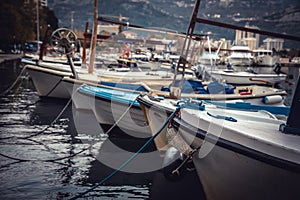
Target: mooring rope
{"points": [[54, 87], [42, 131], [14, 83], [121, 117], [51, 124], [46, 128], [46, 160], [129, 159]]}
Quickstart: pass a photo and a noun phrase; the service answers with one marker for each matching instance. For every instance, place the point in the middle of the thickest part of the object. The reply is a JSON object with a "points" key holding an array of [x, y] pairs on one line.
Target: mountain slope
{"points": [[274, 15]]}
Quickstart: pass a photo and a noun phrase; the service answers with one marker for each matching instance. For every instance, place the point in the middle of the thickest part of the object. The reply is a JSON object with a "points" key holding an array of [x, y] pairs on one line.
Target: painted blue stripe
{"points": [[110, 94], [278, 110]]}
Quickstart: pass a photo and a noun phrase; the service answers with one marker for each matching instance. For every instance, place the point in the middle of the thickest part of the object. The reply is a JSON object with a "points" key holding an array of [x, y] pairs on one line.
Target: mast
{"points": [[42, 50], [94, 38], [37, 21], [176, 92], [292, 125]]}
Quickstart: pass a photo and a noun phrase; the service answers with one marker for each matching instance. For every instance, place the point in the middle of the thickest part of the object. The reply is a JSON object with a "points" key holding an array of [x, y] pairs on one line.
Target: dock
{"points": [[6, 57]]}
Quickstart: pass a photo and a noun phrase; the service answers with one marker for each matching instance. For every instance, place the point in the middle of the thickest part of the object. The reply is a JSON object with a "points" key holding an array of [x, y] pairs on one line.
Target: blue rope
{"points": [[130, 159]]}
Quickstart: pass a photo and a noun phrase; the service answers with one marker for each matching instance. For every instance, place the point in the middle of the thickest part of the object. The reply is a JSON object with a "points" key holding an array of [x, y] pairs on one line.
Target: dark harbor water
{"points": [[39, 161]]}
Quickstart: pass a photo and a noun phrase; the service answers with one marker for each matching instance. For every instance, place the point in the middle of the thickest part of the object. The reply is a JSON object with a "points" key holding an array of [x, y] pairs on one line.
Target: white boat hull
{"points": [[79, 101], [266, 61], [263, 57], [241, 177], [47, 82], [158, 112], [156, 116], [256, 163], [240, 61], [109, 112], [248, 78]]}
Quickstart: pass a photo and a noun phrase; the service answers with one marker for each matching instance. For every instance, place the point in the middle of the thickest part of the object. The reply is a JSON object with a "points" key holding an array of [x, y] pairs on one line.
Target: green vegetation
{"points": [[18, 22]]}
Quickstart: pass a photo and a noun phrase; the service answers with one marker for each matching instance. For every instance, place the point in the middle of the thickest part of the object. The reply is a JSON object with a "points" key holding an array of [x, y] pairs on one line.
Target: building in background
{"points": [[247, 38], [273, 43]]}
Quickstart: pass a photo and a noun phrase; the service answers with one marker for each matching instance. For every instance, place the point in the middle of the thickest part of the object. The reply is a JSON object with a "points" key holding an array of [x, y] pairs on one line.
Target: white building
{"points": [[247, 38], [272, 43]]}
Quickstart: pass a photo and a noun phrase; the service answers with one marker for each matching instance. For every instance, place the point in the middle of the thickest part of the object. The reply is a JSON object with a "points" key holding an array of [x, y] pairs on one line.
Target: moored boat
{"points": [[237, 149], [117, 107], [48, 81], [158, 108], [264, 57], [244, 77], [240, 56]]}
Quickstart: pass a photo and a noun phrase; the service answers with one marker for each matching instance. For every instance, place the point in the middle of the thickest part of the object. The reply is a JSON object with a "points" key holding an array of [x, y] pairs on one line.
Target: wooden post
{"points": [[94, 38], [42, 50], [84, 44]]}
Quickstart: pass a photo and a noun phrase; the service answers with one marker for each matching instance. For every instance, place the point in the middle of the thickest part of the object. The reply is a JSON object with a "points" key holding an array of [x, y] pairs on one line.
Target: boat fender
{"points": [[272, 99], [172, 159]]}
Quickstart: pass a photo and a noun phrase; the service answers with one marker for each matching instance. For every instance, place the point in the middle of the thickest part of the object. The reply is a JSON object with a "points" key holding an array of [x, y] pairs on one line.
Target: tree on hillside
{"points": [[18, 22]]}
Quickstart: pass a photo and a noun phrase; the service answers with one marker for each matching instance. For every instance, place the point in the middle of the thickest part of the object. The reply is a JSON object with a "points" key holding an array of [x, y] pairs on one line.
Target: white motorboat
{"points": [[240, 56], [264, 57]]}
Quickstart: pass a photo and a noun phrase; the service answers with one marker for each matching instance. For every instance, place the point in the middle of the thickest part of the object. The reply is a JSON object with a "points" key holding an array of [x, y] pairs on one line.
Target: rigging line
{"points": [[262, 32], [129, 159], [102, 19], [14, 83], [42, 144], [34, 142]]}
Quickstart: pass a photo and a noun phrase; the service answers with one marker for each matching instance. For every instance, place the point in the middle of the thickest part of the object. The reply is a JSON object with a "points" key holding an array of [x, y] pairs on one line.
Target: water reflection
{"points": [[39, 161]]}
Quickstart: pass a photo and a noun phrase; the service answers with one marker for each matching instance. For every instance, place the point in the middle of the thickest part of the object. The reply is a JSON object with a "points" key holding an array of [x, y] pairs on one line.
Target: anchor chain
{"points": [[188, 158]]}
